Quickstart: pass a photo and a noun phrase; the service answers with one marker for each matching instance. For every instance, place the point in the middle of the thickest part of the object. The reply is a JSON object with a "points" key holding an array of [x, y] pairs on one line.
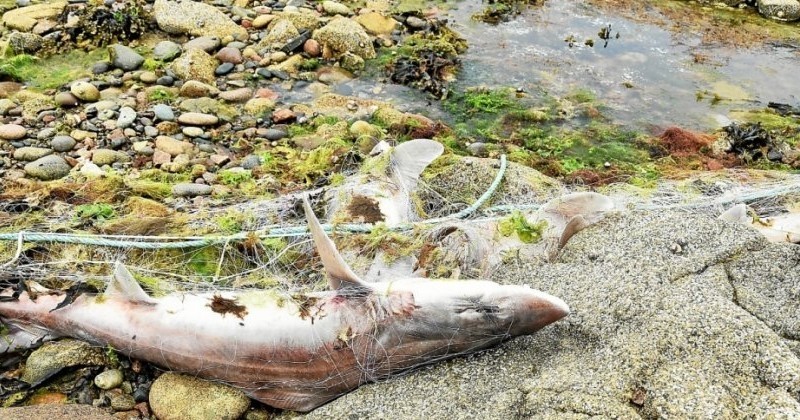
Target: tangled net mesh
{"points": [[272, 249]]}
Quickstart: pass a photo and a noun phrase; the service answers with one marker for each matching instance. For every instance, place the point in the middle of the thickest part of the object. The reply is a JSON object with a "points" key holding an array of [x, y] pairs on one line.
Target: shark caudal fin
{"points": [[340, 275], [409, 159], [736, 214], [123, 284]]}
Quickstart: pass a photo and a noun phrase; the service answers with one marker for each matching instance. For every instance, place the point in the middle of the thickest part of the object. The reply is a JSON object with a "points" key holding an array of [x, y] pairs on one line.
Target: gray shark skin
{"points": [[291, 352]]}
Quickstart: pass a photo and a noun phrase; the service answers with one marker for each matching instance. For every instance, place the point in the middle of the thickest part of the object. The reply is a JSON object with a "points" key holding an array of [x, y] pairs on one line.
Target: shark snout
{"points": [[538, 310]]}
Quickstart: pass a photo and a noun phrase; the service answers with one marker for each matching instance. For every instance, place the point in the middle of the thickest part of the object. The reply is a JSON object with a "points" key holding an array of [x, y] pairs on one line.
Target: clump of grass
{"points": [[51, 72], [526, 231], [488, 101], [310, 64], [235, 177]]}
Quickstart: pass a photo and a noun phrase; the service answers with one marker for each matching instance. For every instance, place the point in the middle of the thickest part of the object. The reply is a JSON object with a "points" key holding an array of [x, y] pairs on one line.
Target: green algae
{"points": [[51, 72]]}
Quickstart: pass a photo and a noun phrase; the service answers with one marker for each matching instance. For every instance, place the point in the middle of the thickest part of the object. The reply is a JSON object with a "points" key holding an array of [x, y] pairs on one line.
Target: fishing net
{"points": [[265, 244]]}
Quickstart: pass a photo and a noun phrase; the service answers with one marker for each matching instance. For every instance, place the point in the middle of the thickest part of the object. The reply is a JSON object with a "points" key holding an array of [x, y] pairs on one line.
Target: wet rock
{"points": [[195, 64], [259, 106], [52, 357], [126, 117], [12, 132], [377, 24], [416, 23], [312, 48], [179, 190], [109, 379], [237, 95], [29, 154], [281, 32], [224, 69], [6, 105], [163, 112], [174, 396], [25, 18], [62, 143], [351, 62], [335, 8], [66, 99], [342, 35], [195, 89], [230, 55], [196, 18], [85, 91], [124, 58], [208, 44], [166, 51], [197, 118], [173, 147], [782, 10]]}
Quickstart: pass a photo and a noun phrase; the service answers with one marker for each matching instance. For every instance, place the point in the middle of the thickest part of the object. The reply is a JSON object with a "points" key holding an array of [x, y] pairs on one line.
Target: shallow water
{"points": [[530, 52]]}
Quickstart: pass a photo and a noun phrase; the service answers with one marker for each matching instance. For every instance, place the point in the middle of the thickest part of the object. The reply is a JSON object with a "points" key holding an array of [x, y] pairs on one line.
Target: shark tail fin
{"points": [[737, 214], [18, 335], [123, 284], [409, 159], [340, 275]]}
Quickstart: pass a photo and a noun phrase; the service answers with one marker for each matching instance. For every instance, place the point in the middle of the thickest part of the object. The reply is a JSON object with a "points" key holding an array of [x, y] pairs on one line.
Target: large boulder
{"points": [[783, 10], [195, 18], [673, 316], [25, 18], [342, 35]]}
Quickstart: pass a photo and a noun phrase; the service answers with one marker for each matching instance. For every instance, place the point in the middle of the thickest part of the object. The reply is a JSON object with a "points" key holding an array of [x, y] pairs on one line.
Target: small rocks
{"points": [[336, 8], [224, 69], [166, 51], [29, 154], [12, 132], [197, 118], [102, 157], [173, 147], [124, 58], [195, 89], [109, 379], [174, 396], [208, 44], [312, 48], [163, 112], [273, 134], [126, 117], [259, 106], [66, 99], [237, 95], [85, 91], [123, 402], [62, 143], [187, 190], [230, 55]]}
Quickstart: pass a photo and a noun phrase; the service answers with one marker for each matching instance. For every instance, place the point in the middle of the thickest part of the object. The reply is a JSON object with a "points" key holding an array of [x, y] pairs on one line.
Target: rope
{"points": [[273, 231]]}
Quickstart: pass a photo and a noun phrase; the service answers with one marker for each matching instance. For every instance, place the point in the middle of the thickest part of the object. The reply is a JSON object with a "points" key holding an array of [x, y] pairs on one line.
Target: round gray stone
{"points": [[191, 190], [166, 50], [126, 117], [124, 58], [164, 112], [62, 143]]}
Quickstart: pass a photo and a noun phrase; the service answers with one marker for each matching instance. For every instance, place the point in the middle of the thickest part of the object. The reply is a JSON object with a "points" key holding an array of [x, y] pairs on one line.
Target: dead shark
{"points": [[293, 352], [779, 228]]}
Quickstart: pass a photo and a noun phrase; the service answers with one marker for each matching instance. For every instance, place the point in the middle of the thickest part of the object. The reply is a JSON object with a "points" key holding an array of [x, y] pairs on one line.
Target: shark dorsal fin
{"points": [[123, 284], [340, 275], [737, 213], [409, 159], [580, 203]]}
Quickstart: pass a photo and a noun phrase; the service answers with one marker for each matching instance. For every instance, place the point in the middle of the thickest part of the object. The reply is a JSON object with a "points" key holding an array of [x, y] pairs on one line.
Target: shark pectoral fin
{"points": [[123, 284], [409, 159], [575, 225], [339, 273], [736, 214]]}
